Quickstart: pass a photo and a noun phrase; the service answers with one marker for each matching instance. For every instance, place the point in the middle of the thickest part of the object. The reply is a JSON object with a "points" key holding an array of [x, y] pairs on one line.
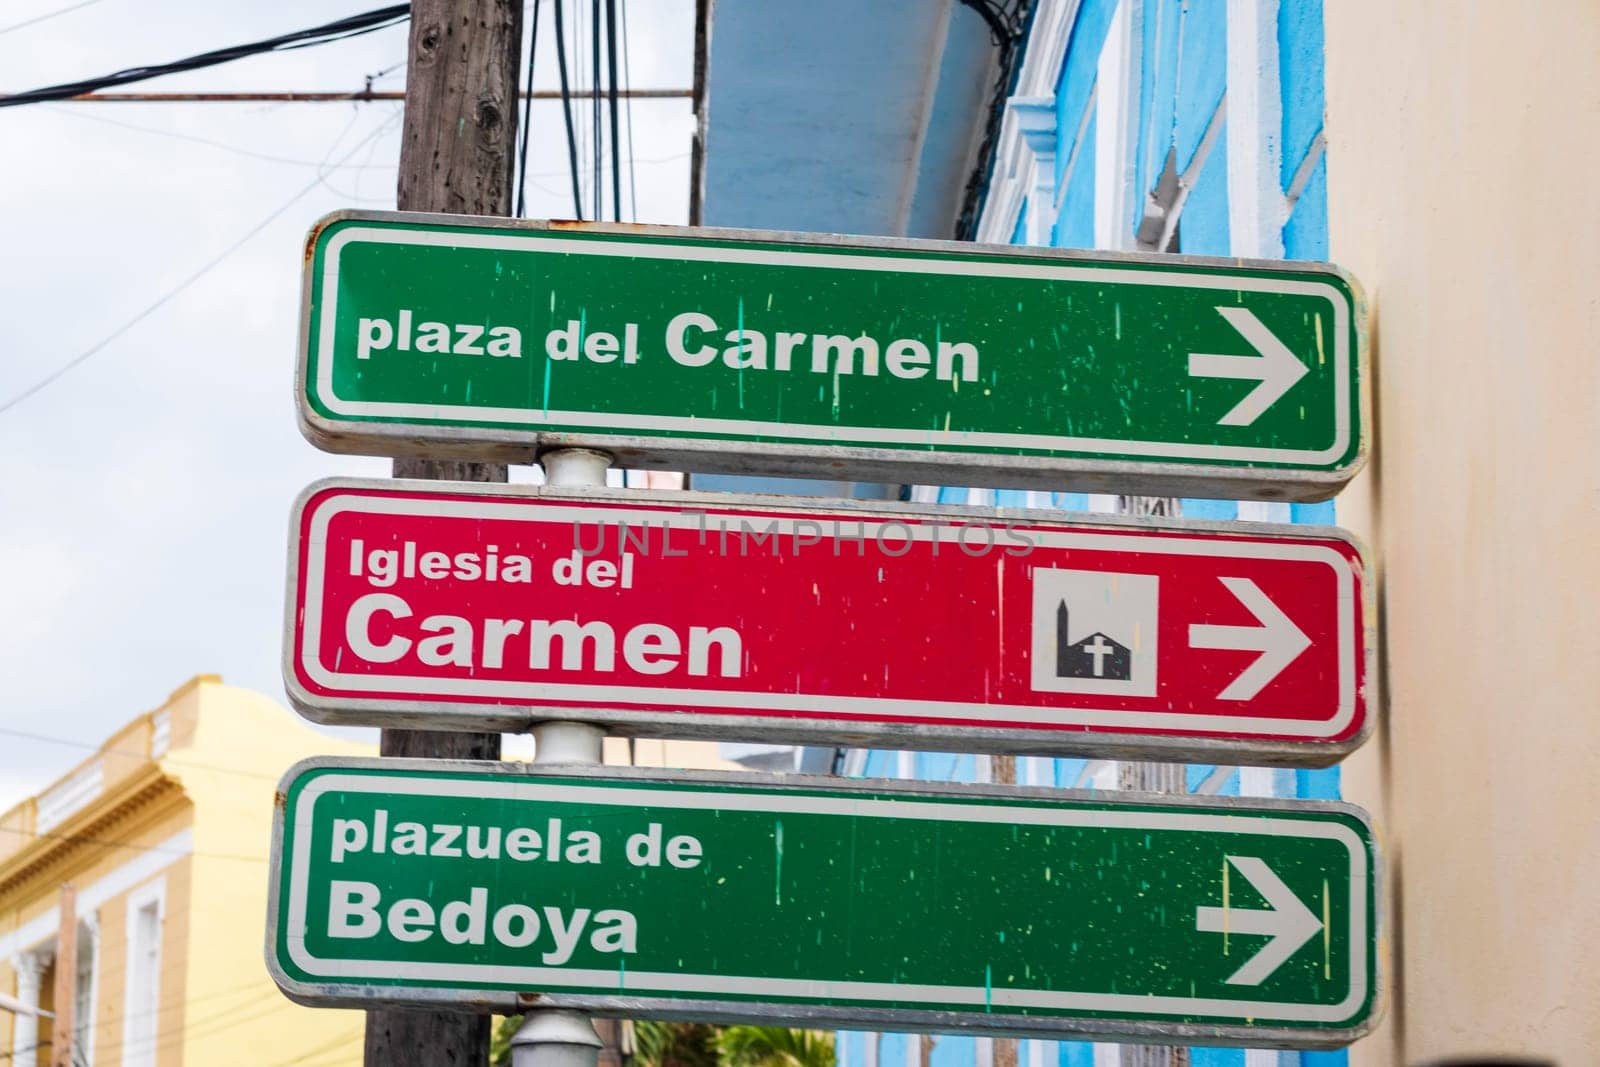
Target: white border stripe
{"points": [[704, 699], [674, 984], [804, 259]]}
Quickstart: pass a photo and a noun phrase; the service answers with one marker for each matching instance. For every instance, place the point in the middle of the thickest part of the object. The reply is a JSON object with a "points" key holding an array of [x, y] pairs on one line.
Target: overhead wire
{"points": [[85, 839], [48, 15], [160, 302], [597, 138], [580, 122], [627, 89], [207, 1026], [371, 141], [221, 145], [616, 148], [525, 133], [332, 1048], [100, 976], [339, 30], [361, 171], [566, 110], [140, 752]]}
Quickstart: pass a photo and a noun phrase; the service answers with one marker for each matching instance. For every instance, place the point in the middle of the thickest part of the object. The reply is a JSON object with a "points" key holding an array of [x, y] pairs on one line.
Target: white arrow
{"points": [[1278, 640], [1276, 368], [1287, 921]]}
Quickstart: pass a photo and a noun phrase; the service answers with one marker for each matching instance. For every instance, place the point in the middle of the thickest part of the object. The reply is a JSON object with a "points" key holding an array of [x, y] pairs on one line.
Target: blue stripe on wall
{"points": [[1010, 498], [1158, 90], [1202, 74], [1305, 235], [850, 1048], [1074, 227], [1319, 514], [953, 1051], [1216, 1057], [946, 767], [1203, 226], [1078, 75], [1300, 60], [1067, 772], [1317, 785], [1075, 1054], [1220, 510]]}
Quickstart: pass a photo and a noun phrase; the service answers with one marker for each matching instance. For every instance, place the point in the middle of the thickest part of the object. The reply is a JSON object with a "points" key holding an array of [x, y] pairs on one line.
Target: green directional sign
{"points": [[871, 904], [908, 361]]}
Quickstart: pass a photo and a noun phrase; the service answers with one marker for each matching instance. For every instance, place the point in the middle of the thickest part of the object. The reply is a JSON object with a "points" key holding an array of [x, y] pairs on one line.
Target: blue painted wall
{"points": [[1182, 79]]}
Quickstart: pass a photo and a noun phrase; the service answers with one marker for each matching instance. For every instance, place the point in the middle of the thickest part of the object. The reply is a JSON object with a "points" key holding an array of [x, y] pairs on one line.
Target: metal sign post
{"points": [[806, 901], [787, 354], [700, 615]]}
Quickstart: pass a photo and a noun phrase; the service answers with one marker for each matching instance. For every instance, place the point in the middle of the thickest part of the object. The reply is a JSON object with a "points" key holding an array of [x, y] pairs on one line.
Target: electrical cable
{"points": [[139, 753], [616, 141], [47, 16], [323, 1051], [527, 118], [101, 1049], [627, 89], [85, 839], [566, 109], [165, 298], [597, 144], [581, 95], [339, 30], [222, 145]]}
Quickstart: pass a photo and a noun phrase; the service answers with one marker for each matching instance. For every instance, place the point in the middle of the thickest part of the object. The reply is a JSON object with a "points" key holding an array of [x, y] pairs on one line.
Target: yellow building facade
{"points": [[162, 835]]}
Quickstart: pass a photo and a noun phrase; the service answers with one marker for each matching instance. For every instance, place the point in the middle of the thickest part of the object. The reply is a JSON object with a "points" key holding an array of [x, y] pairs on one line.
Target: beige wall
{"points": [[1463, 143]]}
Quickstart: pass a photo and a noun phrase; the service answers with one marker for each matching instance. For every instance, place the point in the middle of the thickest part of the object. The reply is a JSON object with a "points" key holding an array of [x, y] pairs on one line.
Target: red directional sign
{"points": [[702, 615]]}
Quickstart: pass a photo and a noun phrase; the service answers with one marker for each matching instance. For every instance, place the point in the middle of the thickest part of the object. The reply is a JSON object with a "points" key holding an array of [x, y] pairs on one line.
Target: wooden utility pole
{"points": [[457, 155], [1003, 769]]}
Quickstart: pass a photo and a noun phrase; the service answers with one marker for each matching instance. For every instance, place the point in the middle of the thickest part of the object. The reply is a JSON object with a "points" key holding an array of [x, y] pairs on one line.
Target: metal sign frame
{"points": [[647, 718], [1366, 876], [737, 450]]}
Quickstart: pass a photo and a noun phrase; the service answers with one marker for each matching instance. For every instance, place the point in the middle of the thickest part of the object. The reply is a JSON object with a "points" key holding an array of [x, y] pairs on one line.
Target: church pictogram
{"points": [[1095, 656], [1094, 632]]}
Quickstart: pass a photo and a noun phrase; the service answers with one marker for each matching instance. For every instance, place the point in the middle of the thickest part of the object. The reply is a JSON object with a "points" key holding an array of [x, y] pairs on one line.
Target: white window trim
{"points": [[1257, 208], [140, 898], [1115, 134], [89, 926]]}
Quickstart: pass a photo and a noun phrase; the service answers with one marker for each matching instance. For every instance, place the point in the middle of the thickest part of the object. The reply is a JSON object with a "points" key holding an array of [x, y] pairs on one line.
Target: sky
{"points": [[144, 495]]}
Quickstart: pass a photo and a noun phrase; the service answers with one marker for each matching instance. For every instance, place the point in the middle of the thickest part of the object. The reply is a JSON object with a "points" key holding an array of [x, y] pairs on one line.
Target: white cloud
{"points": [[144, 496]]}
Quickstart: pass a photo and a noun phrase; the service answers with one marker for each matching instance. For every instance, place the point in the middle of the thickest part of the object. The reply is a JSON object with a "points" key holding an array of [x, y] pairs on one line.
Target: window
{"points": [[142, 1002]]}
